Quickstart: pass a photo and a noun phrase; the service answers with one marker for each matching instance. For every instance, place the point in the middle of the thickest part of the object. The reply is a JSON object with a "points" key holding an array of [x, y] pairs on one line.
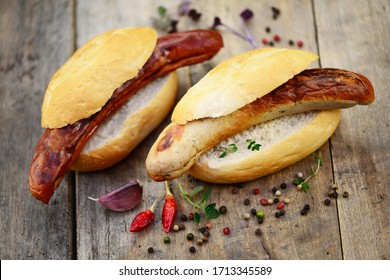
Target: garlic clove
{"points": [[124, 198]]}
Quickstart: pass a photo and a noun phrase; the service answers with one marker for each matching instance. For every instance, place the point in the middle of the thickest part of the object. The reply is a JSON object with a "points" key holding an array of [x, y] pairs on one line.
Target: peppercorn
{"points": [[264, 41], [300, 44], [283, 186], [260, 214], [202, 229], [335, 194], [226, 231], [291, 42], [277, 215], [345, 194], [191, 216], [334, 187], [246, 216], [270, 201], [247, 201], [222, 209], [206, 233], [327, 201], [299, 175], [234, 191], [253, 211], [286, 200], [280, 205], [260, 220], [199, 241], [256, 191], [205, 238], [208, 226], [167, 240], [276, 200], [300, 179], [183, 217], [271, 44], [306, 207], [258, 232], [182, 227], [150, 250], [282, 212], [190, 236], [192, 249], [263, 202], [278, 193], [276, 38], [175, 228], [274, 189], [299, 187], [303, 212], [330, 193], [268, 29]]}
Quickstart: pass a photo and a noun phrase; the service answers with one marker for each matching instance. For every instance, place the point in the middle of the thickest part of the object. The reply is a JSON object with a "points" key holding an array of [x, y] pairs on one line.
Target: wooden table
{"points": [[36, 37]]}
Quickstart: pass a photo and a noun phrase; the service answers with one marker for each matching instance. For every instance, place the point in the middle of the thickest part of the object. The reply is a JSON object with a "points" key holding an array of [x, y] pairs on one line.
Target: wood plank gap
{"points": [[316, 34]]}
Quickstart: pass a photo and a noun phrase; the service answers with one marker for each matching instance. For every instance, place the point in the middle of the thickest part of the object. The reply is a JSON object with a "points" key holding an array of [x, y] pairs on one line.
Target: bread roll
{"points": [[88, 79], [283, 141], [122, 132], [240, 80]]}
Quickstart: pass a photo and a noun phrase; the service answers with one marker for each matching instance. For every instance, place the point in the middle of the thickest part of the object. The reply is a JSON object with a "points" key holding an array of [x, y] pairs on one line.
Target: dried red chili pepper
{"points": [[169, 210], [145, 218]]}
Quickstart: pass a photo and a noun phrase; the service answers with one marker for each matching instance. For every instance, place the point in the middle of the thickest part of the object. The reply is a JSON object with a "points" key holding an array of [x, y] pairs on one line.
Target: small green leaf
{"points": [[256, 147], [234, 148], [305, 186], [211, 212], [210, 206], [195, 191], [196, 218], [161, 11], [297, 182], [223, 154], [206, 195]]}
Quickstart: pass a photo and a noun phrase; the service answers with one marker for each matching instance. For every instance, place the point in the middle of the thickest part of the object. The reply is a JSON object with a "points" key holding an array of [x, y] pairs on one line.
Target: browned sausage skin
{"points": [[58, 148]]}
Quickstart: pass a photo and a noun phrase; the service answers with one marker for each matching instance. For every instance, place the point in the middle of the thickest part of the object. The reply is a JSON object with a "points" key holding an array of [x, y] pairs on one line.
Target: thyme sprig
{"points": [[200, 205], [253, 145], [302, 184], [232, 148]]}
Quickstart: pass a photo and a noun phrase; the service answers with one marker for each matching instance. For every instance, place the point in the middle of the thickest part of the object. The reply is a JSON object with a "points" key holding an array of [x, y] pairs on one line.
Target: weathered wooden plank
{"points": [[36, 37], [104, 235], [355, 35]]}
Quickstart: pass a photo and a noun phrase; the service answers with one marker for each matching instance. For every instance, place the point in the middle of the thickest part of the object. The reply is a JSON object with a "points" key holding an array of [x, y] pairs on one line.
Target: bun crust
{"points": [[284, 141], [121, 133], [88, 79], [240, 80]]}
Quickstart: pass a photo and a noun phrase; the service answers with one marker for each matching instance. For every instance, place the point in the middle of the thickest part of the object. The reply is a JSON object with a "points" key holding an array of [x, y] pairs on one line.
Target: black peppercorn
{"points": [[306, 207], [271, 44], [327, 201], [192, 249], [274, 190], [277, 215], [276, 200], [206, 233], [183, 217], [247, 201], [303, 212], [282, 212], [222, 209], [335, 194], [268, 29], [253, 211], [345, 194], [150, 250], [234, 191], [181, 227], [291, 42], [260, 220], [258, 232], [190, 236], [283, 186], [202, 229]]}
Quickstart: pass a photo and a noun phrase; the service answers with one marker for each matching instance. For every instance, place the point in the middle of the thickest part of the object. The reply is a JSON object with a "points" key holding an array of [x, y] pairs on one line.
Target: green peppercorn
{"points": [[222, 209], [150, 250], [167, 240], [190, 236], [260, 214], [192, 249]]}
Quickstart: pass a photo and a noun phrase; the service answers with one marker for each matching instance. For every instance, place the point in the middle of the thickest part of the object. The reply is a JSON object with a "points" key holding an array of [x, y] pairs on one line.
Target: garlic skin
{"points": [[124, 198]]}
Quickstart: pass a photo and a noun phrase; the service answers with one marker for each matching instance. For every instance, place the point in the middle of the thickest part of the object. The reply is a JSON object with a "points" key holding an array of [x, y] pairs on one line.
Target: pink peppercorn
{"points": [[264, 41], [300, 44], [280, 205], [226, 231], [263, 202], [276, 38], [256, 191]]}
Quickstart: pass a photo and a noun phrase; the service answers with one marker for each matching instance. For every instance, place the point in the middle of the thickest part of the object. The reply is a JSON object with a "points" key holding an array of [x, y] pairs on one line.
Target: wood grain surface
{"points": [[36, 37]]}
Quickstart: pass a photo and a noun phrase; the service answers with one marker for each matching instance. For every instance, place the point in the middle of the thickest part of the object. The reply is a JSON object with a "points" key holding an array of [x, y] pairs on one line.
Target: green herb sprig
{"points": [[200, 205], [232, 148], [302, 184], [253, 145]]}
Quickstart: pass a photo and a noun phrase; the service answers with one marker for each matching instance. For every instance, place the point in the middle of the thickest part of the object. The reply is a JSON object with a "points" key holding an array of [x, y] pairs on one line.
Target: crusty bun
{"points": [[88, 79], [240, 80], [283, 141], [122, 132]]}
